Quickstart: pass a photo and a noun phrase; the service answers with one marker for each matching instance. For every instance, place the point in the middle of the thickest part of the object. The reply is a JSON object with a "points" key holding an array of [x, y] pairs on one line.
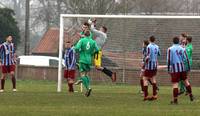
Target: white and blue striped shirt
{"points": [[175, 59], [7, 54], [152, 56], [70, 60]]}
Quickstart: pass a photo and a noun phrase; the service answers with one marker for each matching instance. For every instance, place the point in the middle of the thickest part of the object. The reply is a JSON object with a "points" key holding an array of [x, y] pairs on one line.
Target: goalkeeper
{"points": [[100, 38]]}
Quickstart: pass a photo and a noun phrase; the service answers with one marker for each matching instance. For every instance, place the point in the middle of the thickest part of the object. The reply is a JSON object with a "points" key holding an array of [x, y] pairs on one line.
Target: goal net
{"points": [[123, 49]]}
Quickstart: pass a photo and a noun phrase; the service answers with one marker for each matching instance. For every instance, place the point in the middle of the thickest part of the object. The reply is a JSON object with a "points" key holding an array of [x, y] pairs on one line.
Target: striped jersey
{"points": [[144, 52], [70, 60], [176, 55], [152, 56], [7, 54]]}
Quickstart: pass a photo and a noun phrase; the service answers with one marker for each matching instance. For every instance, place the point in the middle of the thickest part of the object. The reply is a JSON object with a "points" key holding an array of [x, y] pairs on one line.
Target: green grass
{"points": [[39, 98]]}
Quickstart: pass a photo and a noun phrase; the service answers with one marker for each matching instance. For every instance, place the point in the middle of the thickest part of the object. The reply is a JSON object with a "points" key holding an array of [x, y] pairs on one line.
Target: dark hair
{"points": [[152, 38], [146, 42], [189, 39], [105, 28], [86, 24], [184, 34], [87, 33], [176, 40]]}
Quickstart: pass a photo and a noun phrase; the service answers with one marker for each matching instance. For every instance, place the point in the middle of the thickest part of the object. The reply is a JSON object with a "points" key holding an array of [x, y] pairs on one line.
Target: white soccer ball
{"points": [[90, 21]]}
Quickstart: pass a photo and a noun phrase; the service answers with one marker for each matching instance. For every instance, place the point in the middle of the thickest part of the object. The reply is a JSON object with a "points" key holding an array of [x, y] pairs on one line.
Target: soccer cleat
{"points": [[1, 91], [174, 103], [88, 92], [153, 98], [146, 98], [114, 77], [14, 90], [78, 82]]}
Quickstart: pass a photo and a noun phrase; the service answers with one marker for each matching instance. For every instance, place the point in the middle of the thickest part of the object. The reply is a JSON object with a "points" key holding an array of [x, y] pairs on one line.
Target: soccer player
{"points": [[85, 27], [150, 72], [144, 52], [86, 47], [70, 63], [189, 49], [8, 60], [100, 38], [183, 43], [176, 68]]}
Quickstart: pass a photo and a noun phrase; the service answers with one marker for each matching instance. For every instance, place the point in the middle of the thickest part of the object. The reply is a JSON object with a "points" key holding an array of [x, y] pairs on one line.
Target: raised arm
{"points": [[95, 31], [77, 47]]}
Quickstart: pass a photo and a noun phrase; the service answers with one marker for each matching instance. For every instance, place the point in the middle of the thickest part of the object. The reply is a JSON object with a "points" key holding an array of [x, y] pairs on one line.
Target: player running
{"points": [[70, 63], [176, 68], [100, 38], [86, 47], [7, 61], [151, 63]]}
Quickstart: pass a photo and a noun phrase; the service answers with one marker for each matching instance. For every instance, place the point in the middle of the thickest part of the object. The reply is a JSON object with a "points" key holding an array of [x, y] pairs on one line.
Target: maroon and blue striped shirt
{"points": [[70, 60], [176, 55], [153, 52], [7, 54]]}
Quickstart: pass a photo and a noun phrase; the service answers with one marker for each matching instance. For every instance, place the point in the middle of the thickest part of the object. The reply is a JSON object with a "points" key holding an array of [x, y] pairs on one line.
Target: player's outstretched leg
{"points": [[109, 73]]}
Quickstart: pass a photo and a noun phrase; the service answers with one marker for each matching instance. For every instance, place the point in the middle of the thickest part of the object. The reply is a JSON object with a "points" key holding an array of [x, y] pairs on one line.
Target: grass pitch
{"points": [[39, 98]]}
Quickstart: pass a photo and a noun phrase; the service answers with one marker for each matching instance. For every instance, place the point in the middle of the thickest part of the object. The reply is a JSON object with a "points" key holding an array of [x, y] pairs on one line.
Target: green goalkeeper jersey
{"points": [[86, 47], [189, 49]]}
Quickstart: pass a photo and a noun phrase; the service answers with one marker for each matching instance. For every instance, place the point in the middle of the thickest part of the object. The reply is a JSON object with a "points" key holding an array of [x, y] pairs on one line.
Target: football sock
{"points": [[189, 89], [182, 86], [142, 84], [154, 89], [85, 82], [70, 85], [13, 81], [88, 81], [175, 94], [107, 72], [145, 91], [2, 83]]}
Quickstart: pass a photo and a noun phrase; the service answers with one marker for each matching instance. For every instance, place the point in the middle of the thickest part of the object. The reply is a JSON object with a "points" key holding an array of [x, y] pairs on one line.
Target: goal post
{"points": [[61, 32]]}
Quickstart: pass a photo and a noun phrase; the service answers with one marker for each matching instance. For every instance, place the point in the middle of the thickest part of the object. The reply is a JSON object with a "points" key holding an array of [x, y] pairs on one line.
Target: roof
{"points": [[49, 42]]}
